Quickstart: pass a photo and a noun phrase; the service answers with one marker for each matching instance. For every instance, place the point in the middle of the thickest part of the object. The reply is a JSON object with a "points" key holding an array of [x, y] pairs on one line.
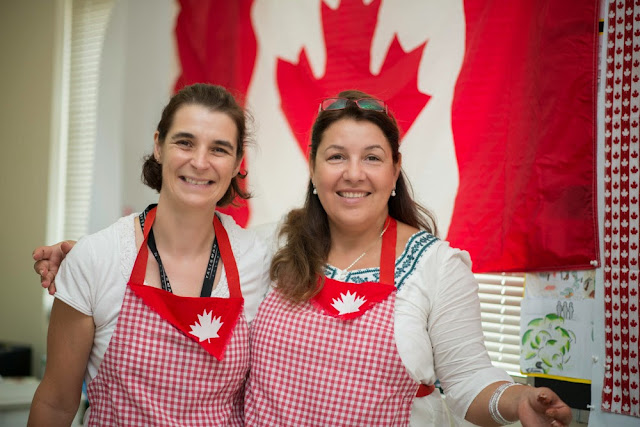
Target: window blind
{"points": [[500, 297], [83, 24], [88, 24]]}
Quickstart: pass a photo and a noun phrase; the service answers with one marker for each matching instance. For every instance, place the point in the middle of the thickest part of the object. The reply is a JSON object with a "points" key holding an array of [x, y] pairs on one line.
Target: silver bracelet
{"points": [[493, 404]]}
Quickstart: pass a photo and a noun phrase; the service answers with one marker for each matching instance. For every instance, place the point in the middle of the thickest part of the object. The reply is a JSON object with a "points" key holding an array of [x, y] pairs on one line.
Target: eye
{"points": [[336, 156], [372, 158], [183, 142], [220, 150]]}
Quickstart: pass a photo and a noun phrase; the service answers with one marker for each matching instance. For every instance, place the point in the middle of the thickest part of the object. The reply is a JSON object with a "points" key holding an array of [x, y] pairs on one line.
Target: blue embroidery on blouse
{"points": [[405, 264]]}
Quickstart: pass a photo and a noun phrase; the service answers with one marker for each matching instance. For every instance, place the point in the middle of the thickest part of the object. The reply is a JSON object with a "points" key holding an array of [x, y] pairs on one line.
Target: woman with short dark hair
{"points": [[155, 342]]}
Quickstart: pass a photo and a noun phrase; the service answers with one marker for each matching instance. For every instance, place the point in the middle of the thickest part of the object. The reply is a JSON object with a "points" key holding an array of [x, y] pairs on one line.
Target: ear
{"points": [[157, 147], [398, 166], [237, 168], [311, 169]]}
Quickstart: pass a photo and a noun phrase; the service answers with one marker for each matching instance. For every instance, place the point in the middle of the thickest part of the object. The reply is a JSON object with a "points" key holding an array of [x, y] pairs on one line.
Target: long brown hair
{"points": [[296, 267], [217, 99]]}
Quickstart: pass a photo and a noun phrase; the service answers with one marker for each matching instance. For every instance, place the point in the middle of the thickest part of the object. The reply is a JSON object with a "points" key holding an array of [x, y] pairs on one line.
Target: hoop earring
{"points": [[393, 192]]}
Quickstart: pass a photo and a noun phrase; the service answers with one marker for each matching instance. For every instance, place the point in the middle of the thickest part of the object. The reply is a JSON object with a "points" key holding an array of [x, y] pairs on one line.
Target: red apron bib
{"points": [[174, 360], [332, 361]]}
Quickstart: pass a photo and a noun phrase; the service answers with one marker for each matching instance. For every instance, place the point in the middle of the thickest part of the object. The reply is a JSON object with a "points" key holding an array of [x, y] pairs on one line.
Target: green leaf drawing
{"points": [[548, 342], [535, 322]]}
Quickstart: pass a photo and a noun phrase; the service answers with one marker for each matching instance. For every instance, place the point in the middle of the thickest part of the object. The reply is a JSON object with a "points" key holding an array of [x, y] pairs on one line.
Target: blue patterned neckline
{"points": [[416, 246]]}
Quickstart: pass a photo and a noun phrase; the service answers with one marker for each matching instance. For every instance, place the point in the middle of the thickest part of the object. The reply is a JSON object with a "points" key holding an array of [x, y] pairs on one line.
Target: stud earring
{"points": [[315, 191], [393, 192]]}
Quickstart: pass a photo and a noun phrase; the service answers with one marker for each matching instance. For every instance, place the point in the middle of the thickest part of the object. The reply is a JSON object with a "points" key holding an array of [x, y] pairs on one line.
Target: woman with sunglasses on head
{"points": [[155, 343], [369, 307]]}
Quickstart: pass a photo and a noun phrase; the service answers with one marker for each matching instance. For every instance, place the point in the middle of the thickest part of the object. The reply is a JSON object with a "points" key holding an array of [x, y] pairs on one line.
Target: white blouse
{"points": [[437, 319], [438, 331]]}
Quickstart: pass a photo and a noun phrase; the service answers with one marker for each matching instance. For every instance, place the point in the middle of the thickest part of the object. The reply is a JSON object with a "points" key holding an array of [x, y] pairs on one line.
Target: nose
{"points": [[353, 171], [199, 158]]}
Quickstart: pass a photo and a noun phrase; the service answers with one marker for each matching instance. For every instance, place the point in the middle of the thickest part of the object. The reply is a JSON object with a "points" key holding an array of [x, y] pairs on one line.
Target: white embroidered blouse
{"points": [[437, 324]]}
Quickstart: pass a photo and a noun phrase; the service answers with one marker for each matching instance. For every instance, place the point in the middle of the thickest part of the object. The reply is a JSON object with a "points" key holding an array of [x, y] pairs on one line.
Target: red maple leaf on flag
{"points": [[348, 32]]}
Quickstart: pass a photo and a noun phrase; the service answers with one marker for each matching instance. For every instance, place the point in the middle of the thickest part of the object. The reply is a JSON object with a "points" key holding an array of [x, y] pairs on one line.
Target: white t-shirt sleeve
{"points": [[94, 275], [76, 274], [462, 363]]}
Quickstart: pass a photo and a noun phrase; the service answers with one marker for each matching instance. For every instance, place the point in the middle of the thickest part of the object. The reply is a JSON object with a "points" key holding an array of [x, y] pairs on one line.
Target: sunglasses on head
{"points": [[370, 104]]}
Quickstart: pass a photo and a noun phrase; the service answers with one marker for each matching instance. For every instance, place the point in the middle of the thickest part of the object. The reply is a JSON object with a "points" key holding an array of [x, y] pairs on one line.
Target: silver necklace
{"points": [[346, 270]]}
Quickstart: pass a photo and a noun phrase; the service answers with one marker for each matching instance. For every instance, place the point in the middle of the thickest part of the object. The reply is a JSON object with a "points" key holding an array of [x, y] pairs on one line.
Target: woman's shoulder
{"points": [[109, 236], [414, 242], [114, 245], [426, 256], [428, 249], [88, 273]]}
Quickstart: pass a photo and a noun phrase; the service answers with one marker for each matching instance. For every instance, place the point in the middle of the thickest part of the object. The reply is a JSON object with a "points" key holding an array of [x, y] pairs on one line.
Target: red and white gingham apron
{"points": [[312, 366], [155, 374]]}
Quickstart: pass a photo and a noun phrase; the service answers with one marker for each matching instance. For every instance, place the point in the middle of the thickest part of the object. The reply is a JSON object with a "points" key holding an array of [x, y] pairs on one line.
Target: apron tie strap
{"points": [[425, 390]]}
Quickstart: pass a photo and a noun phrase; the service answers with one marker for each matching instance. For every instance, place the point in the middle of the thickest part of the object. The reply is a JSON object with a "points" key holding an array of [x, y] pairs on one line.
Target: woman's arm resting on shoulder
{"points": [[69, 343], [533, 406], [47, 261]]}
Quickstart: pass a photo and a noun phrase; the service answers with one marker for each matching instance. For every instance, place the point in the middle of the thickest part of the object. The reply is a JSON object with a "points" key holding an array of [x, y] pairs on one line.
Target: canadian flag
{"points": [[496, 101]]}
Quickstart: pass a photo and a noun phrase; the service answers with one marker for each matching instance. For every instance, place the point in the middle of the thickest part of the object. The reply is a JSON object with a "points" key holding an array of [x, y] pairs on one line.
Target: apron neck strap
{"points": [[140, 266], [388, 253], [228, 260], [226, 253]]}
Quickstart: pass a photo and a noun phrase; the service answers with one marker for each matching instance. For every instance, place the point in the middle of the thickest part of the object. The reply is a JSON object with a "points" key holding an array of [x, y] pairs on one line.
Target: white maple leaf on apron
{"points": [[207, 327], [348, 303]]}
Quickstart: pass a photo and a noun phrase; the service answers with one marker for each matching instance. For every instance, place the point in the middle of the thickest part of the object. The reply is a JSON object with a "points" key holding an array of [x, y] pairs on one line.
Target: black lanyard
{"points": [[212, 266]]}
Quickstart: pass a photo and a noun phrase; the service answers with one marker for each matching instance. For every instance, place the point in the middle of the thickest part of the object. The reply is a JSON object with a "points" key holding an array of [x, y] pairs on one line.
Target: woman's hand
{"points": [[540, 406], [48, 260]]}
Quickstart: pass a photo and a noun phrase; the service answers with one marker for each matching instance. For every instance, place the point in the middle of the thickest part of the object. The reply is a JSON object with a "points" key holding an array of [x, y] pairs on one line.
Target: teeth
{"points": [[194, 182], [351, 195]]}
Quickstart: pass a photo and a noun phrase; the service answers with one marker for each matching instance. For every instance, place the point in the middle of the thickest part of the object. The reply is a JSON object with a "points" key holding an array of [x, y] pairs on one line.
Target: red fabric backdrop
{"points": [[524, 132], [523, 114]]}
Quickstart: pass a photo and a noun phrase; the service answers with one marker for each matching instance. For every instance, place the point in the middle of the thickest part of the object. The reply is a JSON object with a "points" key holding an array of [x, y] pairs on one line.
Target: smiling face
{"points": [[354, 174], [198, 157]]}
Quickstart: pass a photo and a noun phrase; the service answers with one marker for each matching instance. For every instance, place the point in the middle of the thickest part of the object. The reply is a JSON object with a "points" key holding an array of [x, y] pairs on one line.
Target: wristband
{"points": [[493, 404]]}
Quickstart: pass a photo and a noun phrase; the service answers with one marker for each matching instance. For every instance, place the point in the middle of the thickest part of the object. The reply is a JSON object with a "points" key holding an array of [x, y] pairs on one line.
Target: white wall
{"points": [[136, 80], [27, 36]]}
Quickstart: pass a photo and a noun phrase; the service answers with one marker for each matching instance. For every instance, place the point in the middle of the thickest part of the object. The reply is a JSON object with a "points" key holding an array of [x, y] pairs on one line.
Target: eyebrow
{"points": [[191, 136], [341, 147], [182, 135], [224, 144]]}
